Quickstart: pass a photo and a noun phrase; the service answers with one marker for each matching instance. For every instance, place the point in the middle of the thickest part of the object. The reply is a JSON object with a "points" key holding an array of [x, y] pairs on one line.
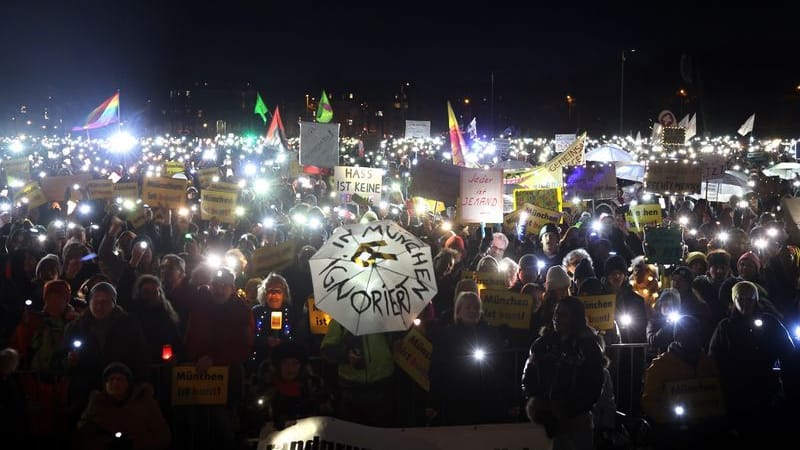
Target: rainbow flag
{"points": [[457, 144], [105, 114]]}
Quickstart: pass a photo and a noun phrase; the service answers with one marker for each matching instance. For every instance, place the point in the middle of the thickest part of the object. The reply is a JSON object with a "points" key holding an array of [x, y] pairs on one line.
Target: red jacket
{"points": [[224, 332]]}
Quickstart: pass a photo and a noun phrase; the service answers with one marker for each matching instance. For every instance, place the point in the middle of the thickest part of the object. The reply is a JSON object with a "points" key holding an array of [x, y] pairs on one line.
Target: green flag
{"points": [[324, 111], [261, 108]]}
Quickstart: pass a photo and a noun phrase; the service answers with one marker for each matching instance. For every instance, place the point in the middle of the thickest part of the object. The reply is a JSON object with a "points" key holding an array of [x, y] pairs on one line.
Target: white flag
{"points": [[691, 131], [656, 133], [472, 129], [684, 123], [747, 126], [638, 137]]}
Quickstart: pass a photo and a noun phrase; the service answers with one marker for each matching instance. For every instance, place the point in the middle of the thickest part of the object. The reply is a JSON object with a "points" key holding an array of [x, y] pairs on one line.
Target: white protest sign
{"points": [[319, 144], [481, 198], [363, 181], [563, 141], [420, 129]]}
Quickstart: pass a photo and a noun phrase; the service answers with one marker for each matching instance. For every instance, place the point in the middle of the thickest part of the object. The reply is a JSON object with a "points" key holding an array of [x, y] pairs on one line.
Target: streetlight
{"points": [[570, 104], [622, 86]]}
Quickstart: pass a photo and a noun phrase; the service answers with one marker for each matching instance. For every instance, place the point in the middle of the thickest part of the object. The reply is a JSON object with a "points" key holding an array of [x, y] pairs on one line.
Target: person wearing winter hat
{"points": [[456, 243], [549, 238], [557, 281], [631, 314], [697, 263], [583, 272], [708, 286], [749, 266]]}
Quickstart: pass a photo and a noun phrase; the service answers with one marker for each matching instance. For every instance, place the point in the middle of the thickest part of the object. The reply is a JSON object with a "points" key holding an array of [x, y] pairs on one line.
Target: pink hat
{"points": [[752, 257]]}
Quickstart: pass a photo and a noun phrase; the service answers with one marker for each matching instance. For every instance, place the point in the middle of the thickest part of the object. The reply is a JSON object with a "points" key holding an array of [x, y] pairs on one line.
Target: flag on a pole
{"points": [[691, 131], [457, 144], [747, 126], [105, 114], [472, 129], [276, 134], [684, 123], [324, 110], [261, 108]]}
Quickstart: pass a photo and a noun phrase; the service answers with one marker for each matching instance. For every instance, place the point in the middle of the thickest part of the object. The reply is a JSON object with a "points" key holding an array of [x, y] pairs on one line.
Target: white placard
{"points": [[563, 141], [481, 196], [319, 144], [418, 129], [363, 181]]}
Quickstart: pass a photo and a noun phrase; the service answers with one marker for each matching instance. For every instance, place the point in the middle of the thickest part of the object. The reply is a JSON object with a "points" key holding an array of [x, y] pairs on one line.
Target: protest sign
{"points": [[189, 387], [164, 192], [701, 398], [423, 204], [600, 310], [532, 216], [173, 167], [487, 279], [543, 198], [319, 144], [220, 205], [206, 175], [563, 141], [435, 180], [481, 197], [102, 189], [663, 245], [127, 191], [591, 181], [275, 258], [17, 169], [58, 189], [413, 355], [640, 216], [31, 194], [504, 307], [791, 217], [713, 167], [673, 177], [363, 181], [420, 129], [318, 320]]}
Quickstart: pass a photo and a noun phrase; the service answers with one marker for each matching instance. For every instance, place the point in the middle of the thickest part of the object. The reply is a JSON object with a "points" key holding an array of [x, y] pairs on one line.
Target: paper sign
{"points": [[420, 129], [535, 219], [58, 189], [591, 181], [504, 307], [318, 320], [663, 245], [428, 205], [713, 167], [363, 181], [164, 192], [102, 189], [574, 155], [543, 198], [206, 176], [271, 259], [516, 176], [319, 144], [31, 194], [136, 217], [701, 398], [437, 181], [412, 354], [487, 279], [18, 169], [481, 198], [791, 217], [673, 177], [129, 191], [640, 216], [600, 310], [191, 388], [173, 167], [220, 205], [563, 141]]}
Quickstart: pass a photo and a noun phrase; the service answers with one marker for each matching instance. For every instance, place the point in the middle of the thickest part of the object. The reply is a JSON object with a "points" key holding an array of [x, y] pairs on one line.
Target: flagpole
{"points": [[119, 113]]}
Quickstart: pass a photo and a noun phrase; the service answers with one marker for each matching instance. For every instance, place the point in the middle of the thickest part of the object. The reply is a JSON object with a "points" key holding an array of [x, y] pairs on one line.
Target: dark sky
{"points": [[743, 59]]}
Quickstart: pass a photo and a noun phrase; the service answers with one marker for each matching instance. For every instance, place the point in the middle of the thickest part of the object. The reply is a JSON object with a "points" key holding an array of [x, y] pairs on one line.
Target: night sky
{"points": [[71, 57]]}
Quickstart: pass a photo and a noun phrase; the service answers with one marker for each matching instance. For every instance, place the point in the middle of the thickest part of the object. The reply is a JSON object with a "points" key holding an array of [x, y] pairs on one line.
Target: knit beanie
{"points": [[696, 256], [616, 263], [556, 278], [58, 287], [584, 270], [719, 258], [752, 257], [120, 368], [455, 243]]}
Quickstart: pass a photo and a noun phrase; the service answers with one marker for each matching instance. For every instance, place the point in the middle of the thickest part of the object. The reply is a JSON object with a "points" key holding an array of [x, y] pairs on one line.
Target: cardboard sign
{"points": [[574, 155], [32, 195], [164, 192], [191, 388], [437, 181], [419, 129], [206, 176], [173, 167], [272, 259], [58, 189], [563, 141], [640, 216], [543, 198], [127, 191], [504, 307], [318, 320], [363, 181], [535, 218], [220, 205], [663, 245], [18, 169], [600, 310], [701, 398], [481, 198], [413, 355], [428, 205], [102, 189], [319, 144], [136, 217], [591, 181], [713, 167], [673, 177], [487, 280]]}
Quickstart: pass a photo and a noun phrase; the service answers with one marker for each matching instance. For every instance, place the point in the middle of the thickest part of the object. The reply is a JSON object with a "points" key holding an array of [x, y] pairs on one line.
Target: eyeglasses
{"points": [[501, 249]]}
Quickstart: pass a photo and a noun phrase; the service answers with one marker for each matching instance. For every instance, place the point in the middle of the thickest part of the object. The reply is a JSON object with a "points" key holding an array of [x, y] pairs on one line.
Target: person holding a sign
{"points": [[274, 318]]}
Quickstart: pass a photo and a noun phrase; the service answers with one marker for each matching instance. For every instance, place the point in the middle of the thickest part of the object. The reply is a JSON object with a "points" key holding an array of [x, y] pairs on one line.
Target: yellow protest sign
{"points": [[173, 167], [504, 307], [423, 204], [271, 259], [700, 398], [295, 169], [549, 175], [31, 194], [600, 310], [543, 198], [413, 355], [164, 192], [539, 217], [192, 388], [128, 191], [102, 189], [487, 279], [318, 320], [223, 186], [673, 177], [207, 175], [640, 216], [59, 189], [218, 204], [18, 169]]}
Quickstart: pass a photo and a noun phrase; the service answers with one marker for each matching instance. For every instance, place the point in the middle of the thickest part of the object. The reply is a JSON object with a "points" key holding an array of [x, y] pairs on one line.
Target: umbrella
{"points": [[609, 153], [630, 171], [374, 277], [785, 170], [722, 189], [512, 164]]}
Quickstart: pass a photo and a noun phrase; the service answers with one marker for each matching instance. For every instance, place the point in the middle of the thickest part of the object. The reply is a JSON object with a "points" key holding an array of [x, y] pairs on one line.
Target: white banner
{"points": [[563, 141], [418, 129], [363, 181], [319, 144], [481, 197], [323, 433]]}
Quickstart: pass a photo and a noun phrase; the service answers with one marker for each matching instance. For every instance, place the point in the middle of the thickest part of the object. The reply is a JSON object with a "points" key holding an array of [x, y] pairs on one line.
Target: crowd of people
{"points": [[95, 313]]}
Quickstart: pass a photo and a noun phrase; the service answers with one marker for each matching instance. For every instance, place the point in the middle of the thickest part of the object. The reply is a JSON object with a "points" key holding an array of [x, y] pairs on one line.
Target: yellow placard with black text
{"points": [[220, 205], [164, 192], [504, 307], [173, 167], [31, 194], [275, 258], [189, 387], [640, 216], [487, 280], [17, 169], [126, 191], [207, 175], [412, 354], [102, 189], [318, 320], [701, 398], [600, 310]]}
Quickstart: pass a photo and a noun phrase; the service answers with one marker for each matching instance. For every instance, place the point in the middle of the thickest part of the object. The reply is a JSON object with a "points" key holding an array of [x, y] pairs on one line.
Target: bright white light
{"points": [[117, 434], [214, 261], [299, 219], [503, 266], [281, 157], [693, 232], [479, 354], [239, 211], [647, 197], [626, 320], [540, 264], [58, 223], [5, 207], [760, 243], [797, 332], [596, 225], [143, 245], [722, 236], [751, 183], [314, 223], [634, 203], [742, 204], [576, 200], [679, 410], [395, 211], [417, 322], [16, 146], [383, 204], [395, 186], [261, 186], [84, 208], [447, 226], [42, 238], [269, 222], [121, 142], [772, 232], [76, 343], [758, 323], [673, 317], [326, 210], [28, 302], [231, 262], [250, 170], [683, 220]]}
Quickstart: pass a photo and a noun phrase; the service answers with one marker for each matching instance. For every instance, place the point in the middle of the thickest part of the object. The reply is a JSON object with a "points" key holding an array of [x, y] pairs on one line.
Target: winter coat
{"points": [[375, 349], [262, 316], [631, 303], [222, 331], [138, 419], [159, 326], [39, 341]]}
